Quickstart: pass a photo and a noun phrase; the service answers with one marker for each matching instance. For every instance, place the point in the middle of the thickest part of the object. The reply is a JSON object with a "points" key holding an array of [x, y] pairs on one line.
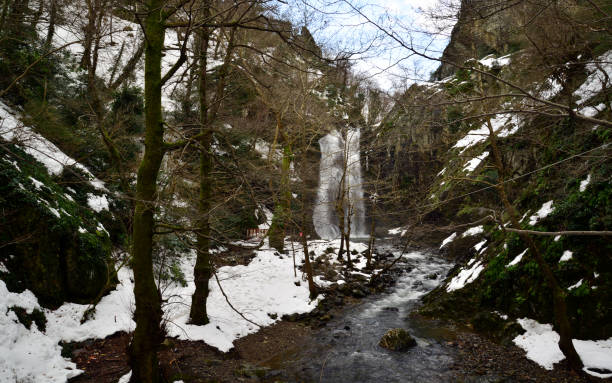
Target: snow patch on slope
{"points": [[541, 343], [43, 150]]}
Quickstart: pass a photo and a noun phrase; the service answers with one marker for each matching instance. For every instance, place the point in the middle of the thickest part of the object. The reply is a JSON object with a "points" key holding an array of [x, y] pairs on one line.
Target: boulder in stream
{"points": [[397, 339]]}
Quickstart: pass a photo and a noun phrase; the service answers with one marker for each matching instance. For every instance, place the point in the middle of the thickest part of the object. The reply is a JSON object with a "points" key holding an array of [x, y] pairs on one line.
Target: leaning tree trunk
{"points": [[148, 313], [559, 305]]}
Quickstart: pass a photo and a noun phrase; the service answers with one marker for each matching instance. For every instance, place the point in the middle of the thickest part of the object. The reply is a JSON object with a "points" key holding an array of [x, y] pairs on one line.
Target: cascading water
{"points": [[337, 157], [354, 184]]}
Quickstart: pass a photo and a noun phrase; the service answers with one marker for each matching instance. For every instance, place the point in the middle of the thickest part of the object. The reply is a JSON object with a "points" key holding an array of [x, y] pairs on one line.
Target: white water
{"points": [[335, 150]]}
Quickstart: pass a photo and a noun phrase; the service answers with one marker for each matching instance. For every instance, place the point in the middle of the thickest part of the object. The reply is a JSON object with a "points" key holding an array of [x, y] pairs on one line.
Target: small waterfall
{"points": [[335, 150]]}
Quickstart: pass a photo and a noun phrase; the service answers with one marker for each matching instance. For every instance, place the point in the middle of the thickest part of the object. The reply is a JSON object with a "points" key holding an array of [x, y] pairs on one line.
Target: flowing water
{"points": [[339, 156], [347, 349]]}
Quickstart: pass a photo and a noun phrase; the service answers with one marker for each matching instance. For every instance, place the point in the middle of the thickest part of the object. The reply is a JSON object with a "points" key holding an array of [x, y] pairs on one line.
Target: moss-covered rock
{"points": [[397, 339], [51, 244]]}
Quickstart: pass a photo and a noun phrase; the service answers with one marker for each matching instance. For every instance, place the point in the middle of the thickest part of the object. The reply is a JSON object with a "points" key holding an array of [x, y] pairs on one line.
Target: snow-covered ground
{"points": [[540, 342], [264, 287]]}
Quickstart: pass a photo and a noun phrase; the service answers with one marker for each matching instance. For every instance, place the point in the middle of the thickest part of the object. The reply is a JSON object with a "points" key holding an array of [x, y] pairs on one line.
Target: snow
{"points": [[551, 88], [544, 211], [43, 150], [265, 286], [268, 215], [97, 203], [37, 183], [473, 231], [101, 227], [54, 211], [263, 148], [540, 342], [398, 230], [119, 40], [464, 277], [125, 378], [448, 239], [441, 172], [510, 122], [492, 62], [575, 285], [591, 111], [557, 238], [599, 75], [567, 255], [517, 259], [502, 316], [479, 245], [28, 355], [474, 162], [584, 183]]}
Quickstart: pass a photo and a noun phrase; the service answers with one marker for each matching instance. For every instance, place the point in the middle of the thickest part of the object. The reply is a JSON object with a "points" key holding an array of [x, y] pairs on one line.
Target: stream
{"points": [[347, 350]]}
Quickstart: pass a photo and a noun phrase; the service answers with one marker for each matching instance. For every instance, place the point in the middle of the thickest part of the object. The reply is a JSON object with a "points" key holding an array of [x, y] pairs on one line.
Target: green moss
{"points": [[45, 252], [36, 316]]}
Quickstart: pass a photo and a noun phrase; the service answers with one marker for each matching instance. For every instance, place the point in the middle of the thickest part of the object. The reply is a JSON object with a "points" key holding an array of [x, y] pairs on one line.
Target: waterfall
{"points": [[354, 184], [335, 150]]}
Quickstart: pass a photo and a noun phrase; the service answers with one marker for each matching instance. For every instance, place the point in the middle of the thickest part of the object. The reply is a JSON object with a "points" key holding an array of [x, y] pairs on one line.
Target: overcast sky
{"points": [[344, 26]]}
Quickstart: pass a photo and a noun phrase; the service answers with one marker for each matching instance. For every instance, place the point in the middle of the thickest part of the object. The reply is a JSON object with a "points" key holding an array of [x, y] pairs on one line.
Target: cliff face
{"points": [[483, 27]]}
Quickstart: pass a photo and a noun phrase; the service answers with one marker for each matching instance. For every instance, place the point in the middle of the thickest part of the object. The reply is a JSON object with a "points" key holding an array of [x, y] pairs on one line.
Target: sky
{"points": [[370, 29]]}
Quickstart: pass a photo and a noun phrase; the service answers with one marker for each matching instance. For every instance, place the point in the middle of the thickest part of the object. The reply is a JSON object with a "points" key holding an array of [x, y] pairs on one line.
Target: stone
{"points": [[397, 339]]}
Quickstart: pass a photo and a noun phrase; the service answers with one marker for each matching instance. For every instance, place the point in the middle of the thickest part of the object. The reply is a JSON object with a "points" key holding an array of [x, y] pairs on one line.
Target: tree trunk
{"points": [[341, 250], [283, 206], [347, 237], [51, 27], [6, 5], [148, 313], [88, 32], [559, 305], [371, 244], [312, 288], [203, 267]]}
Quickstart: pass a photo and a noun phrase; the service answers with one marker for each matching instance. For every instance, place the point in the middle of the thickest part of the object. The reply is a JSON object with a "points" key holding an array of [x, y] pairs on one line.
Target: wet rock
{"points": [[273, 315], [397, 339], [331, 274], [432, 276], [297, 283]]}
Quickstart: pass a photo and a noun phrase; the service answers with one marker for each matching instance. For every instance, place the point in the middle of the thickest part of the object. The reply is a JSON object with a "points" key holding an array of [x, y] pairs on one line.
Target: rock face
{"points": [[397, 339], [51, 245]]}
